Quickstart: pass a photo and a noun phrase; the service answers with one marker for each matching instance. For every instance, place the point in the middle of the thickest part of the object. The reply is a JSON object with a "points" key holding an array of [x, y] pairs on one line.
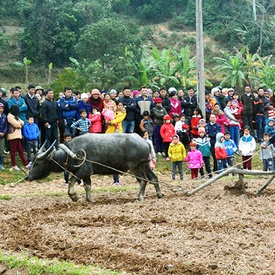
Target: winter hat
{"points": [[111, 104], [235, 101], [171, 89], [175, 115], [202, 120], [230, 90], [158, 100], [172, 93], [214, 90], [84, 95], [2, 105], [193, 144], [135, 93], [167, 117], [31, 86]]}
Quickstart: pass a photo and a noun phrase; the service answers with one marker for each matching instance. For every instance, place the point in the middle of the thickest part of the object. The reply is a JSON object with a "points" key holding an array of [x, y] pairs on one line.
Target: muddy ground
{"points": [[215, 231]]}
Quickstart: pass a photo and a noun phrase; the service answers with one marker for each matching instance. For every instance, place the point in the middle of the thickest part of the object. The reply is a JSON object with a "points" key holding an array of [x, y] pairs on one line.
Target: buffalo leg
{"points": [[87, 182], [71, 192], [153, 179]]}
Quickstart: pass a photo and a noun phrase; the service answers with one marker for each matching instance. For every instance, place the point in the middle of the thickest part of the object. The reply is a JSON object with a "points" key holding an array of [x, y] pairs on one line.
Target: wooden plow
{"points": [[241, 173]]}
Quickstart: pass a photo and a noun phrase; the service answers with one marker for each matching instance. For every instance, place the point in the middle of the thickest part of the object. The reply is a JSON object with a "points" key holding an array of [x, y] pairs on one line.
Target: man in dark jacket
{"points": [[166, 103], [128, 124], [49, 111], [189, 103], [261, 105], [212, 128], [247, 101], [33, 104]]}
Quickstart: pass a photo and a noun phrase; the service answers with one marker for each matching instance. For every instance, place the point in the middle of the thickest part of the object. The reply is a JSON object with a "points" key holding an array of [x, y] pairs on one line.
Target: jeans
{"points": [[260, 121], [222, 164], [158, 139], [128, 126], [268, 164], [234, 133], [174, 168]]}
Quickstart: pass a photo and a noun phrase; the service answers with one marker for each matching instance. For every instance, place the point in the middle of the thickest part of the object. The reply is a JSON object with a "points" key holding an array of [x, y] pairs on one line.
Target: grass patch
{"points": [[5, 197], [36, 266]]}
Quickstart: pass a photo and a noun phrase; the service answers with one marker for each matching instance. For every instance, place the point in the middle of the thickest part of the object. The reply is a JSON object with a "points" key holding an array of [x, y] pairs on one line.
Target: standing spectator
{"points": [[189, 103], [175, 105], [166, 103], [31, 134], [83, 124], [230, 93], [220, 152], [212, 128], [182, 130], [95, 100], [204, 147], [128, 124], [158, 113], [216, 92], [16, 99], [49, 111], [143, 103], [177, 154], [83, 105], [147, 125], [231, 148], [14, 137], [220, 117], [153, 158], [261, 105], [114, 96], [266, 154], [247, 102], [33, 104], [3, 101], [68, 106], [3, 131], [115, 126], [107, 99], [247, 146], [194, 159], [96, 121], [233, 124], [181, 98], [197, 116], [167, 130]]}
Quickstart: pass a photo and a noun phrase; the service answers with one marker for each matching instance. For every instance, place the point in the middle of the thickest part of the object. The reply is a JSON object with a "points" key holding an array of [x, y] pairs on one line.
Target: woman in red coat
{"points": [[195, 122]]}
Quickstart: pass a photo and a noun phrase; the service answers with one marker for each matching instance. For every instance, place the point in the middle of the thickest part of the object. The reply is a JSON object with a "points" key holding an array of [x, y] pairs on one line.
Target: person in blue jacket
{"points": [[68, 108]]}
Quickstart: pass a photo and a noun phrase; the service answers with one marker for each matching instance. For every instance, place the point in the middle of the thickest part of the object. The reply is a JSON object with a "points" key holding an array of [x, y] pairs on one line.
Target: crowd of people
{"points": [[169, 120]]}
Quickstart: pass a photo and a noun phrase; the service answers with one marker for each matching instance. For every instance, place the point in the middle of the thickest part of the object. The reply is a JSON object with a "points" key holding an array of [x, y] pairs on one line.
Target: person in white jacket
{"points": [[247, 146]]}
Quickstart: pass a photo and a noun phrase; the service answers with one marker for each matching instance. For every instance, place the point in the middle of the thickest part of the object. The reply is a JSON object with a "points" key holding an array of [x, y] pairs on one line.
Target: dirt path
{"points": [[212, 232]]}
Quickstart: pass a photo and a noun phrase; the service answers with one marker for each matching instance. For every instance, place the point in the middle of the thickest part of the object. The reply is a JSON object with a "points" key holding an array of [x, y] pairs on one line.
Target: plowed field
{"points": [[215, 231]]}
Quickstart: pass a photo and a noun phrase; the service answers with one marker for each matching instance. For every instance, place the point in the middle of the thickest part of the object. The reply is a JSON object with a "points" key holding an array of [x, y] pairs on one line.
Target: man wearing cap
{"points": [[33, 104], [68, 106], [128, 124]]}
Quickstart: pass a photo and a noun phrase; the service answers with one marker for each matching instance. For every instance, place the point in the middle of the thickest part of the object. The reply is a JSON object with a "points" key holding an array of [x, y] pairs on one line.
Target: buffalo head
{"points": [[41, 163]]}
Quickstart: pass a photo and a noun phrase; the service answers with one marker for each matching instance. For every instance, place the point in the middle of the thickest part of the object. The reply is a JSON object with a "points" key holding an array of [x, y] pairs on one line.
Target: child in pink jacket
{"points": [[194, 159], [96, 121]]}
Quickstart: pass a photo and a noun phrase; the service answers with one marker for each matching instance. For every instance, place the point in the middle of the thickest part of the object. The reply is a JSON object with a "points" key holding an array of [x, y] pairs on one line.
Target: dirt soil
{"points": [[215, 231]]}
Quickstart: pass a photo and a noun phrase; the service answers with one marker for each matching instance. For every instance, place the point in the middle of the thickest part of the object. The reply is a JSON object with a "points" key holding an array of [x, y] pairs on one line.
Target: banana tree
{"points": [[185, 68], [232, 69]]}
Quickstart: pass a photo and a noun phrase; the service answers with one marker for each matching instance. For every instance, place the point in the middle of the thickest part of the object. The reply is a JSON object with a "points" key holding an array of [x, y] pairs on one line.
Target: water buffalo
{"points": [[90, 154]]}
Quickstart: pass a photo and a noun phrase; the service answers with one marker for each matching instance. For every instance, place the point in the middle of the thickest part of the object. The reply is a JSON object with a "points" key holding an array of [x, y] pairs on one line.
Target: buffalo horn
{"points": [[46, 153], [42, 148], [68, 151]]}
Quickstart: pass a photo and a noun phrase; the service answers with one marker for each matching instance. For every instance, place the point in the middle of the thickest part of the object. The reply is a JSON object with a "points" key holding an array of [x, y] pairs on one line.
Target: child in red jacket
{"points": [[220, 152], [167, 130]]}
